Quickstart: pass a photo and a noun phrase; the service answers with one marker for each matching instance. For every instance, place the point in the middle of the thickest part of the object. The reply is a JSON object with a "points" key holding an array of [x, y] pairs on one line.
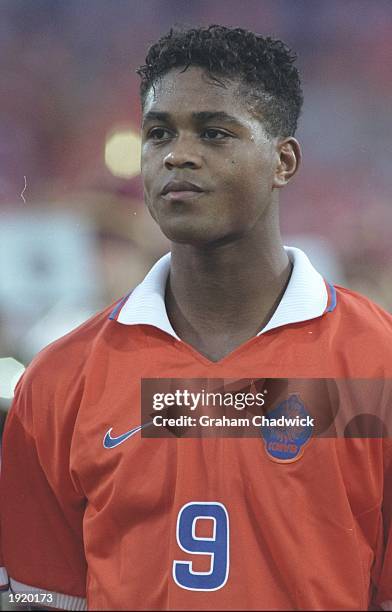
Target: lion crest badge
{"points": [[289, 429]]}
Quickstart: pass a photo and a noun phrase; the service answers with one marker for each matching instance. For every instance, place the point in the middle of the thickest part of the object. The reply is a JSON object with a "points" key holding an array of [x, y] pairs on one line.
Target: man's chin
{"points": [[193, 233], [205, 237]]}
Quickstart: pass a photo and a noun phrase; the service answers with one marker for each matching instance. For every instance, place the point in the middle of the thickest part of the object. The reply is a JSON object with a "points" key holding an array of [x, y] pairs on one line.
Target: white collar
{"points": [[305, 298]]}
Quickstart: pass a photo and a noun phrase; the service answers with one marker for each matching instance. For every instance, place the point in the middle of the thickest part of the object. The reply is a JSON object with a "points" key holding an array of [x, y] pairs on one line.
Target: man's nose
{"points": [[182, 155]]}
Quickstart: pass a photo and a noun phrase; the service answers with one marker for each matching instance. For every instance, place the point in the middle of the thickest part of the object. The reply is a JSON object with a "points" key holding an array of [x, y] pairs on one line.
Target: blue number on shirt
{"points": [[217, 546]]}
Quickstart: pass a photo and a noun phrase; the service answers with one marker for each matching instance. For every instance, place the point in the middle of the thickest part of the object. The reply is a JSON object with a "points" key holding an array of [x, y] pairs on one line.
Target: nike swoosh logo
{"points": [[112, 442]]}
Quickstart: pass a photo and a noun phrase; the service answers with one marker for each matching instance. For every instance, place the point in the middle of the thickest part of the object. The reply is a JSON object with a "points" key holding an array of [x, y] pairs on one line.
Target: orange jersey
{"points": [[100, 516]]}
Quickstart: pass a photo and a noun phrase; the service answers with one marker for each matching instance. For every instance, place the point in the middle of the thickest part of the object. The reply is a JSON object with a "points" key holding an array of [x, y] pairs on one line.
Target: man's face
{"points": [[196, 131]]}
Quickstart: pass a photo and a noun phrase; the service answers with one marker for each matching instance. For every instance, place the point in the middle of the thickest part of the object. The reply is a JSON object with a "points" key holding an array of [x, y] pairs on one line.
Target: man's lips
{"points": [[180, 190], [182, 195]]}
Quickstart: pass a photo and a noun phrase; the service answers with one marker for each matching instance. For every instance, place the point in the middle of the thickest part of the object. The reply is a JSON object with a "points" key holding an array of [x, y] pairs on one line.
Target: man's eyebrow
{"points": [[204, 116], [199, 117], [156, 116]]}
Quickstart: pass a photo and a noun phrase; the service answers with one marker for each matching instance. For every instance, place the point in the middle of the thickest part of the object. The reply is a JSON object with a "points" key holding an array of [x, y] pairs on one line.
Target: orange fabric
{"points": [[306, 535]]}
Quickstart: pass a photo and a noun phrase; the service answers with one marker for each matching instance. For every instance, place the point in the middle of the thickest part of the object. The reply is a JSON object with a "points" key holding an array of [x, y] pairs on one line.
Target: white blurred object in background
{"points": [[10, 372], [58, 321], [43, 257], [47, 260]]}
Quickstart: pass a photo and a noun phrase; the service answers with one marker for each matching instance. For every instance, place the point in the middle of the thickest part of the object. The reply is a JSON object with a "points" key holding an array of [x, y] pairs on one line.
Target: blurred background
{"points": [[74, 234]]}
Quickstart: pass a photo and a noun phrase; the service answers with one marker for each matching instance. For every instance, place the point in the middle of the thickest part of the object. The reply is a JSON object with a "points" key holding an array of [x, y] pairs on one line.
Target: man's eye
{"points": [[213, 134], [159, 134]]}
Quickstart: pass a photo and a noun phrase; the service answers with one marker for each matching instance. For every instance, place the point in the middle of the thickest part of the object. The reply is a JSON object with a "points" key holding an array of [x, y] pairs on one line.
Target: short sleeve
{"points": [[3, 573], [4, 583], [384, 590], [41, 512]]}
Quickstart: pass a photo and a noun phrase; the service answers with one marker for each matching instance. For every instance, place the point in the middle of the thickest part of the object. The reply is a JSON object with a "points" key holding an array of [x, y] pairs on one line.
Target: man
{"points": [[94, 508]]}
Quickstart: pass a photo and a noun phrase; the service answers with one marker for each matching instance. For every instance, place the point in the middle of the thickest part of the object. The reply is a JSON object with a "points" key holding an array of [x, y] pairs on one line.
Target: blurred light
{"points": [[122, 153], [10, 372]]}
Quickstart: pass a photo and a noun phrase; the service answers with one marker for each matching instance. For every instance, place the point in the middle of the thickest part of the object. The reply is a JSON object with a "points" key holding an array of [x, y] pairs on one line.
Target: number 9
{"points": [[216, 546]]}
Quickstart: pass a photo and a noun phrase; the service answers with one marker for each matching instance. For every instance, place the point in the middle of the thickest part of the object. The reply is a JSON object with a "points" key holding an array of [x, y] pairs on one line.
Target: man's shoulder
{"points": [[65, 357], [362, 331], [359, 312]]}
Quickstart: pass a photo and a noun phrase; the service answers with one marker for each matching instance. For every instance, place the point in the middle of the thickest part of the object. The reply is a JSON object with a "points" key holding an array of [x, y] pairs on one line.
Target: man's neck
{"points": [[218, 297]]}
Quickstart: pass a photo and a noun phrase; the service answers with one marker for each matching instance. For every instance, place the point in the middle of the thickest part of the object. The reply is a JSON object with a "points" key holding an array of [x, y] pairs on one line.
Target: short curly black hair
{"points": [[264, 68]]}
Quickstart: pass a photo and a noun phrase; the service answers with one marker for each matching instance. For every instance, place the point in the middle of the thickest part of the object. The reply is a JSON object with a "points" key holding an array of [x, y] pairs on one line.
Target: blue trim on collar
{"points": [[332, 305], [117, 308]]}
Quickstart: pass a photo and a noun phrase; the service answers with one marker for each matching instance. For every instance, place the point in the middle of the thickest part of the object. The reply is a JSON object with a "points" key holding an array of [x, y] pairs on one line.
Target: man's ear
{"points": [[289, 159]]}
